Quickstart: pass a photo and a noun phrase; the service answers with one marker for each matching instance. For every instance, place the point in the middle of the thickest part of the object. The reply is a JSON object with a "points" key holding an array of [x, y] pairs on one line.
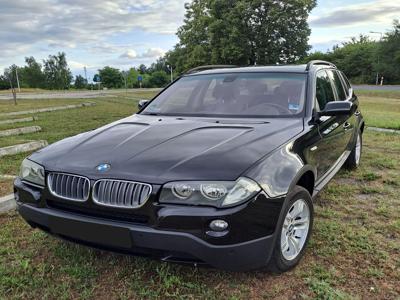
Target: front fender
{"points": [[277, 172]]}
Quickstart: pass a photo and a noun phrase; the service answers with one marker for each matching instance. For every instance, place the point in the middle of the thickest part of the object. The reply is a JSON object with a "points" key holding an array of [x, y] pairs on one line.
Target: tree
{"points": [[80, 82], [132, 78], [111, 77], [31, 75], [56, 72], [243, 32], [4, 84], [142, 69], [158, 79], [10, 75], [389, 55]]}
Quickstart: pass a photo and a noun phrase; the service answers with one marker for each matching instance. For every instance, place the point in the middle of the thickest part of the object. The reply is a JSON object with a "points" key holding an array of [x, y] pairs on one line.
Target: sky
{"points": [[126, 33]]}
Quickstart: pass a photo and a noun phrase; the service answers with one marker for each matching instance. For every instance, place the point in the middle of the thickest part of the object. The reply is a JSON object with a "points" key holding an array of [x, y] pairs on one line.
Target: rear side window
{"points": [[346, 82], [324, 90], [337, 85]]}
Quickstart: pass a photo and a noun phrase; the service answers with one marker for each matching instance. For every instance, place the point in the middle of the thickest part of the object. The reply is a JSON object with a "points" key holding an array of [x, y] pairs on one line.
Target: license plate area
{"points": [[101, 234]]}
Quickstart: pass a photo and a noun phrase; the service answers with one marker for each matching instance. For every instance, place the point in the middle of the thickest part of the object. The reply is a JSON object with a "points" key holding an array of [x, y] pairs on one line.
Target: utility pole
{"points": [[172, 74], [16, 75], [14, 92], [84, 69], [125, 73], [377, 72]]}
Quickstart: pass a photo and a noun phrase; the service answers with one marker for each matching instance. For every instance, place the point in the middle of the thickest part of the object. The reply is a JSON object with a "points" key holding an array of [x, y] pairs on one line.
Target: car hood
{"points": [[160, 149]]}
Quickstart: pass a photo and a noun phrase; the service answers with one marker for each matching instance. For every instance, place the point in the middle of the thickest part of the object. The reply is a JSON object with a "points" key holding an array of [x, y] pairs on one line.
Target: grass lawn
{"points": [[8, 105], [354, 251]]}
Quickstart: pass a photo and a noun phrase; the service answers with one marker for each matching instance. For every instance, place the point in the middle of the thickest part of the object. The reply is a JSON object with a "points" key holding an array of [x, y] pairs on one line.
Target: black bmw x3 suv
{"points": [[220, 168]]}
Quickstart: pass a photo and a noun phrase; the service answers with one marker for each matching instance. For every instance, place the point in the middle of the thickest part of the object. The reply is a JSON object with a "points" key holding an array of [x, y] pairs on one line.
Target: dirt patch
{"points": [[6, 187]]}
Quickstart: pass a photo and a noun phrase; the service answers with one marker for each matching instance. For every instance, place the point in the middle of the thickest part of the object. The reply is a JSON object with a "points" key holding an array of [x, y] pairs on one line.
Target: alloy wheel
{"points": [[295, 229]]}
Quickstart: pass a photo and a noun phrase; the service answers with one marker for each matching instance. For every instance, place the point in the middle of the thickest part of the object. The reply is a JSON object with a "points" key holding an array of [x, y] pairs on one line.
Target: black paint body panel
{"points": [[275, 152]]}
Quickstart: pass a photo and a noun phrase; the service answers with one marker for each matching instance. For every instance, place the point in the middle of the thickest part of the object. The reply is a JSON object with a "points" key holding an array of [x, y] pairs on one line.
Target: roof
{"points": [[255, 69], [218, 69]]}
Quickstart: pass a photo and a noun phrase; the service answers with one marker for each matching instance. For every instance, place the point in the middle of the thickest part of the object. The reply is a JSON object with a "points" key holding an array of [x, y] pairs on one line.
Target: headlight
{"points": [[32, 172], [211, 193]]}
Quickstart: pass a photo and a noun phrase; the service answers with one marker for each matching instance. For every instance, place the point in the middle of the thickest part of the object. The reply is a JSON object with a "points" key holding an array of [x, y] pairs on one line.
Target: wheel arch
{"points": [[306, 178]]}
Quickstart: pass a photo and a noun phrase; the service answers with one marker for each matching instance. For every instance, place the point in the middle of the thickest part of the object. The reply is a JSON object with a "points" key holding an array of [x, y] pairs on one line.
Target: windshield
{"points": [[233, 95]]}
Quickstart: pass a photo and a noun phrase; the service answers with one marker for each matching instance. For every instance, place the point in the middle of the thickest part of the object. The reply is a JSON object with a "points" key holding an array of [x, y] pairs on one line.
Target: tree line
{"points": [[364, 60], [54, 74]]}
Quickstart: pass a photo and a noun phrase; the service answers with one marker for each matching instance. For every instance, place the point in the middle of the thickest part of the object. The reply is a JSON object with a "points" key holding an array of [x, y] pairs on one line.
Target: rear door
{"points": [[331, 129], [354, 117], [348, 122]]}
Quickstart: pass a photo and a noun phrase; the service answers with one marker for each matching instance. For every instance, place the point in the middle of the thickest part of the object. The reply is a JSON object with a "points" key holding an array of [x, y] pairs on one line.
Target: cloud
{"points": [[352, 15], [130, 54], [71, 24], [153, 53]]}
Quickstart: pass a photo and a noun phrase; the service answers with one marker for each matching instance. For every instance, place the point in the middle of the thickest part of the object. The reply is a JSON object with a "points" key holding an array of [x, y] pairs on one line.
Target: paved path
{"points": [[377, 87], [71, 95]]}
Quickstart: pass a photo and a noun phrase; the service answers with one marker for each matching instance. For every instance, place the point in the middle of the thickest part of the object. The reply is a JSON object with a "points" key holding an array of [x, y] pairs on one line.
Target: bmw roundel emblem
{"points": [[103, 167]]}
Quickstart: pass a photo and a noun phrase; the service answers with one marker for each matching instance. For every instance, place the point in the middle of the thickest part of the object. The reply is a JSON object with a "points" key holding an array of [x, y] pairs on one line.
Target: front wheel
{"points": [[353, 161], [293, 231]]}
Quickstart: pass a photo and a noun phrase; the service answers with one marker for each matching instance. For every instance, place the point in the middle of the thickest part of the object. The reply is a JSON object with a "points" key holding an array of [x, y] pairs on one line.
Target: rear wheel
{"points": [[293, 231], [353, 161]]}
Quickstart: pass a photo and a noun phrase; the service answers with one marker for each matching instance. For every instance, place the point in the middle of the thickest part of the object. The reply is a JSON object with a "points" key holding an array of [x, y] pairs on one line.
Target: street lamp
{"points": [[377, 73], [172, 75]]}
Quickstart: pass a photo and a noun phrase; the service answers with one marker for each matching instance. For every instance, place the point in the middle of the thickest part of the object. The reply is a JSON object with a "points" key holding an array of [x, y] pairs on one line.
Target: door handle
{"points": [[346, 125]]}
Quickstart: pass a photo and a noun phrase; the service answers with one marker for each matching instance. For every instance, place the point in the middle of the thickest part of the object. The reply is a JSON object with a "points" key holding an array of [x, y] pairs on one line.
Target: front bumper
{"points": [[127, 238], [172, 233]]}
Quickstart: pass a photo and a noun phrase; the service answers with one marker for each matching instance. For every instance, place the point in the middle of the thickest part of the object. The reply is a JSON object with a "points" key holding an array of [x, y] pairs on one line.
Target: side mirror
{"points": [[336, 108], [142, 104]]}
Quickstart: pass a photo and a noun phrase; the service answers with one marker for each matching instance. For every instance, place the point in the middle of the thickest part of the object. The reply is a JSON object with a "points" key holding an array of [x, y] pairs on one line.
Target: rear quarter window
{"points": [[340, 90]]}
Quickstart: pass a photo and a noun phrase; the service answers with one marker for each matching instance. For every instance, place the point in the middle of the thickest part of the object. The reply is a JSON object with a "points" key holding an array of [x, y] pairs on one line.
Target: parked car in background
{"points": [[220, 168]]}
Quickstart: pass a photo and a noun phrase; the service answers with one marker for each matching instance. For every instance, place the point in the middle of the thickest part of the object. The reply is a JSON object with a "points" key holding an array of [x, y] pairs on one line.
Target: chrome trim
{"points": [[49, 184], [32, 184], [95, 200]]}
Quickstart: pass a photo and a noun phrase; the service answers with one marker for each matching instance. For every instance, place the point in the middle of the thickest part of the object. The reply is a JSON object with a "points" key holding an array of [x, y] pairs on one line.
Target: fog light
{"points": [[218, 225]]}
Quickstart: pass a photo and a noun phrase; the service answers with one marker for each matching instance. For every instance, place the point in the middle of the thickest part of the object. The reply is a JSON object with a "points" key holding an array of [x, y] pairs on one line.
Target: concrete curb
{"points": [[7, 203], [30, 119], [47, 109], [383, 130], [12, 150], [18, 131], [7, 176]]}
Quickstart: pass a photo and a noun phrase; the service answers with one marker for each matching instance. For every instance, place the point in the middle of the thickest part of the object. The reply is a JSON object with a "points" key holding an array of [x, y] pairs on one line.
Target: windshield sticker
{"points": [[293, 106]]}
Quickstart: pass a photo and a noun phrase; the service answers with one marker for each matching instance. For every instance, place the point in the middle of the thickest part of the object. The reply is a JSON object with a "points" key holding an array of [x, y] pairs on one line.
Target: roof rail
{"points": [[209, 67], [319, 62]]}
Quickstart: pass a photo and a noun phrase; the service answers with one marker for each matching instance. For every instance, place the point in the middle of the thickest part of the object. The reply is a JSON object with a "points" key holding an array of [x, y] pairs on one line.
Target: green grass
{"points": [[354, 251], [8, 105], [381, 112], [379, 93]]}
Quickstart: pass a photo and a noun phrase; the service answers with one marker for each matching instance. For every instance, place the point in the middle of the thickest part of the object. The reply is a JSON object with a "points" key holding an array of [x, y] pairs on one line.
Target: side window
{"points": [[346, 82], [324, 90], [334, 76]]}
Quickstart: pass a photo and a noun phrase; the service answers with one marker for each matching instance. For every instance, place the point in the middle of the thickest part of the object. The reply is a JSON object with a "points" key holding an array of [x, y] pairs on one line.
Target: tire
{"points": [[354, 159], [284, 260]]}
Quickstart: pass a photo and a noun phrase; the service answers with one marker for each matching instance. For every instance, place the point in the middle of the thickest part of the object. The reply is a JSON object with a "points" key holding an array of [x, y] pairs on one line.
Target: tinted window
{"points": [[233, 94], [346, 82], [324, 90], [337, 85]]}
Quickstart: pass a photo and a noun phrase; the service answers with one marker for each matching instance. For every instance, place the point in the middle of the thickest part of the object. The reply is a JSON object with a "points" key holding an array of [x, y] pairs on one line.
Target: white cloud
{"points": [[74, 65], [130, 54], [153, 53], [81, 24], [377, 12]]}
